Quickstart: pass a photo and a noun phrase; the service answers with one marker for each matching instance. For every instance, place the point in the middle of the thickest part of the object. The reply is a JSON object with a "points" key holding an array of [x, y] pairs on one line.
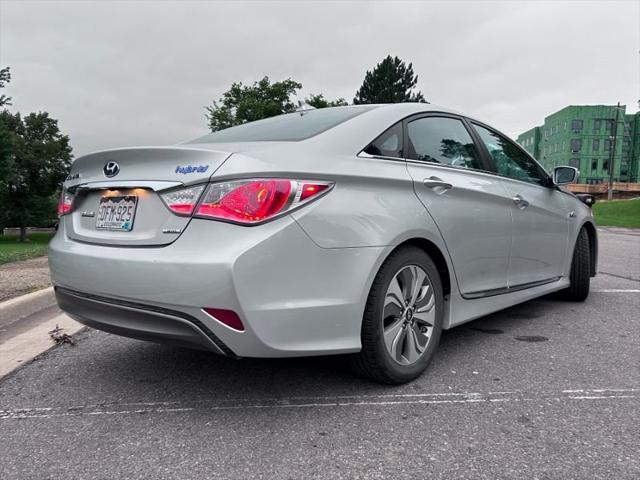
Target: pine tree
{"points": [[391, 81]]}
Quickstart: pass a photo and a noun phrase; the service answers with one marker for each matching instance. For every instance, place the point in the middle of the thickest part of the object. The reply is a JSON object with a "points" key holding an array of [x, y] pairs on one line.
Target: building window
{"points": [[605, 165], [576, 145], [594, 165], [596, 126], [596, 145], [609, 125], [607, 145], [557, 128], [576, 125], [575, 162]]}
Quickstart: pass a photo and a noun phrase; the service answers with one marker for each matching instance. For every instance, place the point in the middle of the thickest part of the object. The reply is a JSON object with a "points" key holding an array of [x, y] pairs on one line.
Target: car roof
{"points": [[358, 132], [349, 136]]}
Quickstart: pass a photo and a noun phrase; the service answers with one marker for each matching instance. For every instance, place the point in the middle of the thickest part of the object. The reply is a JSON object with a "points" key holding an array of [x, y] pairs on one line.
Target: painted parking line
{"points": [[617, 290], [383, 400]]}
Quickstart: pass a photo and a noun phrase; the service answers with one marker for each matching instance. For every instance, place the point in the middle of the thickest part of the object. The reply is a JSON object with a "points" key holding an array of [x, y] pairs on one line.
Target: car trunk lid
{"points": [[117, 193]]}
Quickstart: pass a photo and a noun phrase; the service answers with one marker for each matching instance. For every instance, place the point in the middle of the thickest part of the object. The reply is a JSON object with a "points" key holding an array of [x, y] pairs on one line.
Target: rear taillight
{"points": [[184, 201], [65, 203], [254, 201]]}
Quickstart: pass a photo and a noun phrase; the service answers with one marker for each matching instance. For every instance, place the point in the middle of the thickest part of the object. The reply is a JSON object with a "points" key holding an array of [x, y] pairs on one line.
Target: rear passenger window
{"points": [[442, 140], [389, 144], [509, 160]]}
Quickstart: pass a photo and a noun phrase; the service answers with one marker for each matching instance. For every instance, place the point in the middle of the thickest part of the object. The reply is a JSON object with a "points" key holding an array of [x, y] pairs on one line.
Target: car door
{"points": [[466, 202], [540, 213]]}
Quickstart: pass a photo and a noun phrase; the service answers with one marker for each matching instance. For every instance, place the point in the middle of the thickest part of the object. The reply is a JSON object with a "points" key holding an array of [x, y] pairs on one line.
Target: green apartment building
{"points": [[582, 136]]}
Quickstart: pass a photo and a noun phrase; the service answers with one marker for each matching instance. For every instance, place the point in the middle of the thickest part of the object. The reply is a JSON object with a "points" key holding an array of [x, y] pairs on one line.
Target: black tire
{"points": [[374, 360], [580, 275]]}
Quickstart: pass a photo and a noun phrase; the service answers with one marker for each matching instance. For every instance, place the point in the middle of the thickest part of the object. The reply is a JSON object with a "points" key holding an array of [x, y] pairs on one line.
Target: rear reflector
{"points": [[183, 202], [228, 317]]}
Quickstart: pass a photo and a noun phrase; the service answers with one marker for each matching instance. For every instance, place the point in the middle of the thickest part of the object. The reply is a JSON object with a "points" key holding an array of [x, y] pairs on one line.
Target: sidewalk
{"points": [[621, 230], [28, 312], [18, 278]]}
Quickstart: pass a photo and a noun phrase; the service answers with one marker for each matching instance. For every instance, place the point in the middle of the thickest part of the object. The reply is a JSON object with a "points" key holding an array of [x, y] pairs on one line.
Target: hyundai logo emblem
{"points": [[111, 169]]}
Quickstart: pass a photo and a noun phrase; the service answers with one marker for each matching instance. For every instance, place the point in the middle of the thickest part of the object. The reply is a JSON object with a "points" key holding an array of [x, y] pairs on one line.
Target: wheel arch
{"points": [[593, 246], [436, 255]]}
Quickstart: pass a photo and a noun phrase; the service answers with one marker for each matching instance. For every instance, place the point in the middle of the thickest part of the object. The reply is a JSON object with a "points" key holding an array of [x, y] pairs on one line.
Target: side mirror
{"points": [[565, 175]]}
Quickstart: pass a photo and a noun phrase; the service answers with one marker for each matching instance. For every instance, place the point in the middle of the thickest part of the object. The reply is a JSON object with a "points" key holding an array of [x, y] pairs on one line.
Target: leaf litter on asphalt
{"points": [[59, 337]]}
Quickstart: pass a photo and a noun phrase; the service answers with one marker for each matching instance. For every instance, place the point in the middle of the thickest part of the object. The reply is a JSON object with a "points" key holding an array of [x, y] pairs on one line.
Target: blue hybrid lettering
{"points": [[192, 169]]}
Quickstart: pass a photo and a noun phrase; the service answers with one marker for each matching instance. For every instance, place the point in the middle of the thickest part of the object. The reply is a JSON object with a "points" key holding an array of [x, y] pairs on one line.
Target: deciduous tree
{"points": [[246, 103], [318, 101], [5, 77], [39, 157]]}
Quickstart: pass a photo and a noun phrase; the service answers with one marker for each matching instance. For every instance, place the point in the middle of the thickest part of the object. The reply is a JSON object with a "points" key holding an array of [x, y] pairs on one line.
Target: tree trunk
{"points": [[23, 234]]}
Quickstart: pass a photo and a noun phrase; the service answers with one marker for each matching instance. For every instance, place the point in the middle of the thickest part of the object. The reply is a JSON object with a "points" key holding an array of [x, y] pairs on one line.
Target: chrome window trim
{"points": [[430, 164], [364, 154], [444, 165]]}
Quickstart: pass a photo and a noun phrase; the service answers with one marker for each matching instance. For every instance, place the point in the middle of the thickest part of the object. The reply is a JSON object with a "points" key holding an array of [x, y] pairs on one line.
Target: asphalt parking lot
{"points": [[547, 389]]}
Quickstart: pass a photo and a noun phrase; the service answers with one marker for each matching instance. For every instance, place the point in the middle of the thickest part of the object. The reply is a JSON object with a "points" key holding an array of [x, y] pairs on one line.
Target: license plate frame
{"points": [[112, 217]]}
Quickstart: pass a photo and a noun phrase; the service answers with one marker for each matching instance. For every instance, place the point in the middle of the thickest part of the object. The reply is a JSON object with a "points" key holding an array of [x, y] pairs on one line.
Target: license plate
{"points": [[117, 213]]}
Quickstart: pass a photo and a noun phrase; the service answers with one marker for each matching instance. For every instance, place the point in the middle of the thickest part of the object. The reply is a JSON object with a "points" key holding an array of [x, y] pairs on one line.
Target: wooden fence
{"points": [[602, 187]]}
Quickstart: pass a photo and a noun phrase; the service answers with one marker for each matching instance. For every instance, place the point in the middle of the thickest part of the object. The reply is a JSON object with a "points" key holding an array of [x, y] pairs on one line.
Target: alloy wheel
{"points": [[408, 315]]}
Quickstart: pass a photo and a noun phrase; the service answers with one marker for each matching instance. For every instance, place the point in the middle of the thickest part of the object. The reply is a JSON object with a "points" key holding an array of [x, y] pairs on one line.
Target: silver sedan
{"points": [[362, 230]]}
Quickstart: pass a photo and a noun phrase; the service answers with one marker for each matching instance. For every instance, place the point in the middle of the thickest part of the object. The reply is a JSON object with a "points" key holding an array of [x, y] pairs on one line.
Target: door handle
{"points": [[435, 182], [520, 202]]}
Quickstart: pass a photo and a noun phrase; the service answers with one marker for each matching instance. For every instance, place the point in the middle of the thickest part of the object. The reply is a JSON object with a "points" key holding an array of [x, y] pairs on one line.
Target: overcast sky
{"points": [[140, 73]]}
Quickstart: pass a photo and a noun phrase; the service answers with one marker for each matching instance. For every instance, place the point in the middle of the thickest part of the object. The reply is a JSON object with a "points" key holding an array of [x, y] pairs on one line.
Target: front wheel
{"points": [[402, 320], [580, 275]]}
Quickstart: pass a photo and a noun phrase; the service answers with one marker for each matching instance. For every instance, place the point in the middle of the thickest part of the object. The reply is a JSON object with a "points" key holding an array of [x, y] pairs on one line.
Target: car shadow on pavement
{"points": [[147, 371]]}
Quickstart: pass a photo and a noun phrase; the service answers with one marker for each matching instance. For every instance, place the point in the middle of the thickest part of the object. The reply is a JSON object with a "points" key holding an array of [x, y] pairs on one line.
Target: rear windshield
{"points": [[290, 127]]}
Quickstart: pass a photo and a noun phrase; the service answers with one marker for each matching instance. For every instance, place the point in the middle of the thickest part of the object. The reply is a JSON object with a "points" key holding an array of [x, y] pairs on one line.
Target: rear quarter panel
{"points": [[372, 205]]}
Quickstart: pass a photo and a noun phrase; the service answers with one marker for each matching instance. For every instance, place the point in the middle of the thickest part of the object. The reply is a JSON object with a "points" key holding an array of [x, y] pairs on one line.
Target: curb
{"points": [[25, 305], [25, 347], [620, 230]]}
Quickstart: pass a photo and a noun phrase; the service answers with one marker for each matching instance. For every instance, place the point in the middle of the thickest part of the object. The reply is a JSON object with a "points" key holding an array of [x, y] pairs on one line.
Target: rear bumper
{"points": [[293, 297], [139, 321]]}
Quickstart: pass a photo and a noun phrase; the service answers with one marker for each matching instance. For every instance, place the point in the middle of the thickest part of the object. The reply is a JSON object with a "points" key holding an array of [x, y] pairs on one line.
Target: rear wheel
{"points": [[580, 276], [403, 319]]}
